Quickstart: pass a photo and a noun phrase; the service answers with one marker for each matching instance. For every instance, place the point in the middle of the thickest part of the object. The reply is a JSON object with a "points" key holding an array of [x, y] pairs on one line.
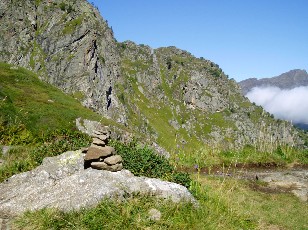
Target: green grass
{"points": [[25, 158], [266, 210], [223, 204], [213, 156], [133, 214], [28, 104], [71, 26]]}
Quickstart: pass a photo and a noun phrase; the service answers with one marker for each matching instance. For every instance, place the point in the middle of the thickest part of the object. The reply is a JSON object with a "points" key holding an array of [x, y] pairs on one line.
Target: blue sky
{"points": [[246, 38]]}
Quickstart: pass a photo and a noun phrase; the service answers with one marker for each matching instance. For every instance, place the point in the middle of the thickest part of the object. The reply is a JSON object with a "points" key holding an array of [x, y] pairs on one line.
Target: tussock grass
{"points": [[211, 156]]}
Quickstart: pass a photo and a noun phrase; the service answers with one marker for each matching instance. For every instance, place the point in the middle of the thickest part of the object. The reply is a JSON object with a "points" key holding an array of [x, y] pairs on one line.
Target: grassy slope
{"points": [[24, 99]]}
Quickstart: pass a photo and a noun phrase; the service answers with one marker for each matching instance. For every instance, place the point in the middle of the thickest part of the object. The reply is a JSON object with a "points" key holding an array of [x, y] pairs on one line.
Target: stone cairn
{"points": [[100, 156]]}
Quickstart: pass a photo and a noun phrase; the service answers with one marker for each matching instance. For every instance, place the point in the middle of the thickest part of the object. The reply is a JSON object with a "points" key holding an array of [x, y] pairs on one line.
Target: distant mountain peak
{"points": [[289, 80]]}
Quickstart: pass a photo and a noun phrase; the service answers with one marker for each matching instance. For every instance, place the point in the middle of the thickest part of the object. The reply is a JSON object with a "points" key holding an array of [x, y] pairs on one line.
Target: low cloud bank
{"points": [[291, 105]]}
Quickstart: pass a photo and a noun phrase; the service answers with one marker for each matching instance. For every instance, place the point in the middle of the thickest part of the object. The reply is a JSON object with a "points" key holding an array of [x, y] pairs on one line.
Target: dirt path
{"points": [[294, 180]]}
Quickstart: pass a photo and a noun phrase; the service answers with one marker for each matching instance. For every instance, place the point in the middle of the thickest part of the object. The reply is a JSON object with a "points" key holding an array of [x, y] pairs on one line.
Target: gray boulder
{"points": [[104, 166], [62, 182]]}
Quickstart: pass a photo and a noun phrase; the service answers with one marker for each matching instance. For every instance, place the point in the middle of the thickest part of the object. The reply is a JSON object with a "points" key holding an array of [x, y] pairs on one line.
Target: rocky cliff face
{"points": [[67, 43], [289, 80], [191, 102], [168, 95]]}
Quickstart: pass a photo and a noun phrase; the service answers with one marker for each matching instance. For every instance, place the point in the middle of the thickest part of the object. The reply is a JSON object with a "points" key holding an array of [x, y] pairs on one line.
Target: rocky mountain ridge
{"points": [[167, 95], [289, 80]]}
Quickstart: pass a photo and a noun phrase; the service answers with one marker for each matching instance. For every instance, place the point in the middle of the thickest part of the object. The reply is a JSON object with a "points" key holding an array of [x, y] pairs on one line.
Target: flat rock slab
{"points": [[102, 130], [112, 160], [101, 137], [94, 153], [104, 166], [62, 182], [293, 181], [99, 142]]}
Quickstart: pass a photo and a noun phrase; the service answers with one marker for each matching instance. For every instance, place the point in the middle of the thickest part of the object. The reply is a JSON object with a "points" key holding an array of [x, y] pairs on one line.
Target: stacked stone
{"points": [[100, 156]]}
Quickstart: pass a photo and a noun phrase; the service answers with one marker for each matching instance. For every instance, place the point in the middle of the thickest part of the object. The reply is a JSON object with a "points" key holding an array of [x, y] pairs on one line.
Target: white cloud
{"points": [[291, 105]]}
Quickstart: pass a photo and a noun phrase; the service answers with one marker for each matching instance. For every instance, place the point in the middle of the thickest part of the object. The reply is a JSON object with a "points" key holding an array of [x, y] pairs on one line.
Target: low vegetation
{"points": [[210, 156], [31, 108], [25, 158], [37, 120], [143, 161]]}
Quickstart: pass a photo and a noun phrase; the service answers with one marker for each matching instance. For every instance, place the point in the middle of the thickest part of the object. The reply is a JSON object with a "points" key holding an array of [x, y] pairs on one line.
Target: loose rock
{"points": [[5, 150], [84, 150], [154, 214], [116, 159], [99, 165], [95, 153], [98, 142], [102, 130], [104, 166], [102, 137]]}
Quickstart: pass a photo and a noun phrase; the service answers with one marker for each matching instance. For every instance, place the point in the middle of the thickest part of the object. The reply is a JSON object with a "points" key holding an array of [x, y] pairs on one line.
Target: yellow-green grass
{"points": [[39, 106]]}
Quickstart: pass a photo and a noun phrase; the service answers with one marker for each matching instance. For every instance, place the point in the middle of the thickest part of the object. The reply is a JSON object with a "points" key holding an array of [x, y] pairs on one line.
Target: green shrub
{"points": [[142, 161], [181, 178], [15, 133], [62, 6], [69, 9]]}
